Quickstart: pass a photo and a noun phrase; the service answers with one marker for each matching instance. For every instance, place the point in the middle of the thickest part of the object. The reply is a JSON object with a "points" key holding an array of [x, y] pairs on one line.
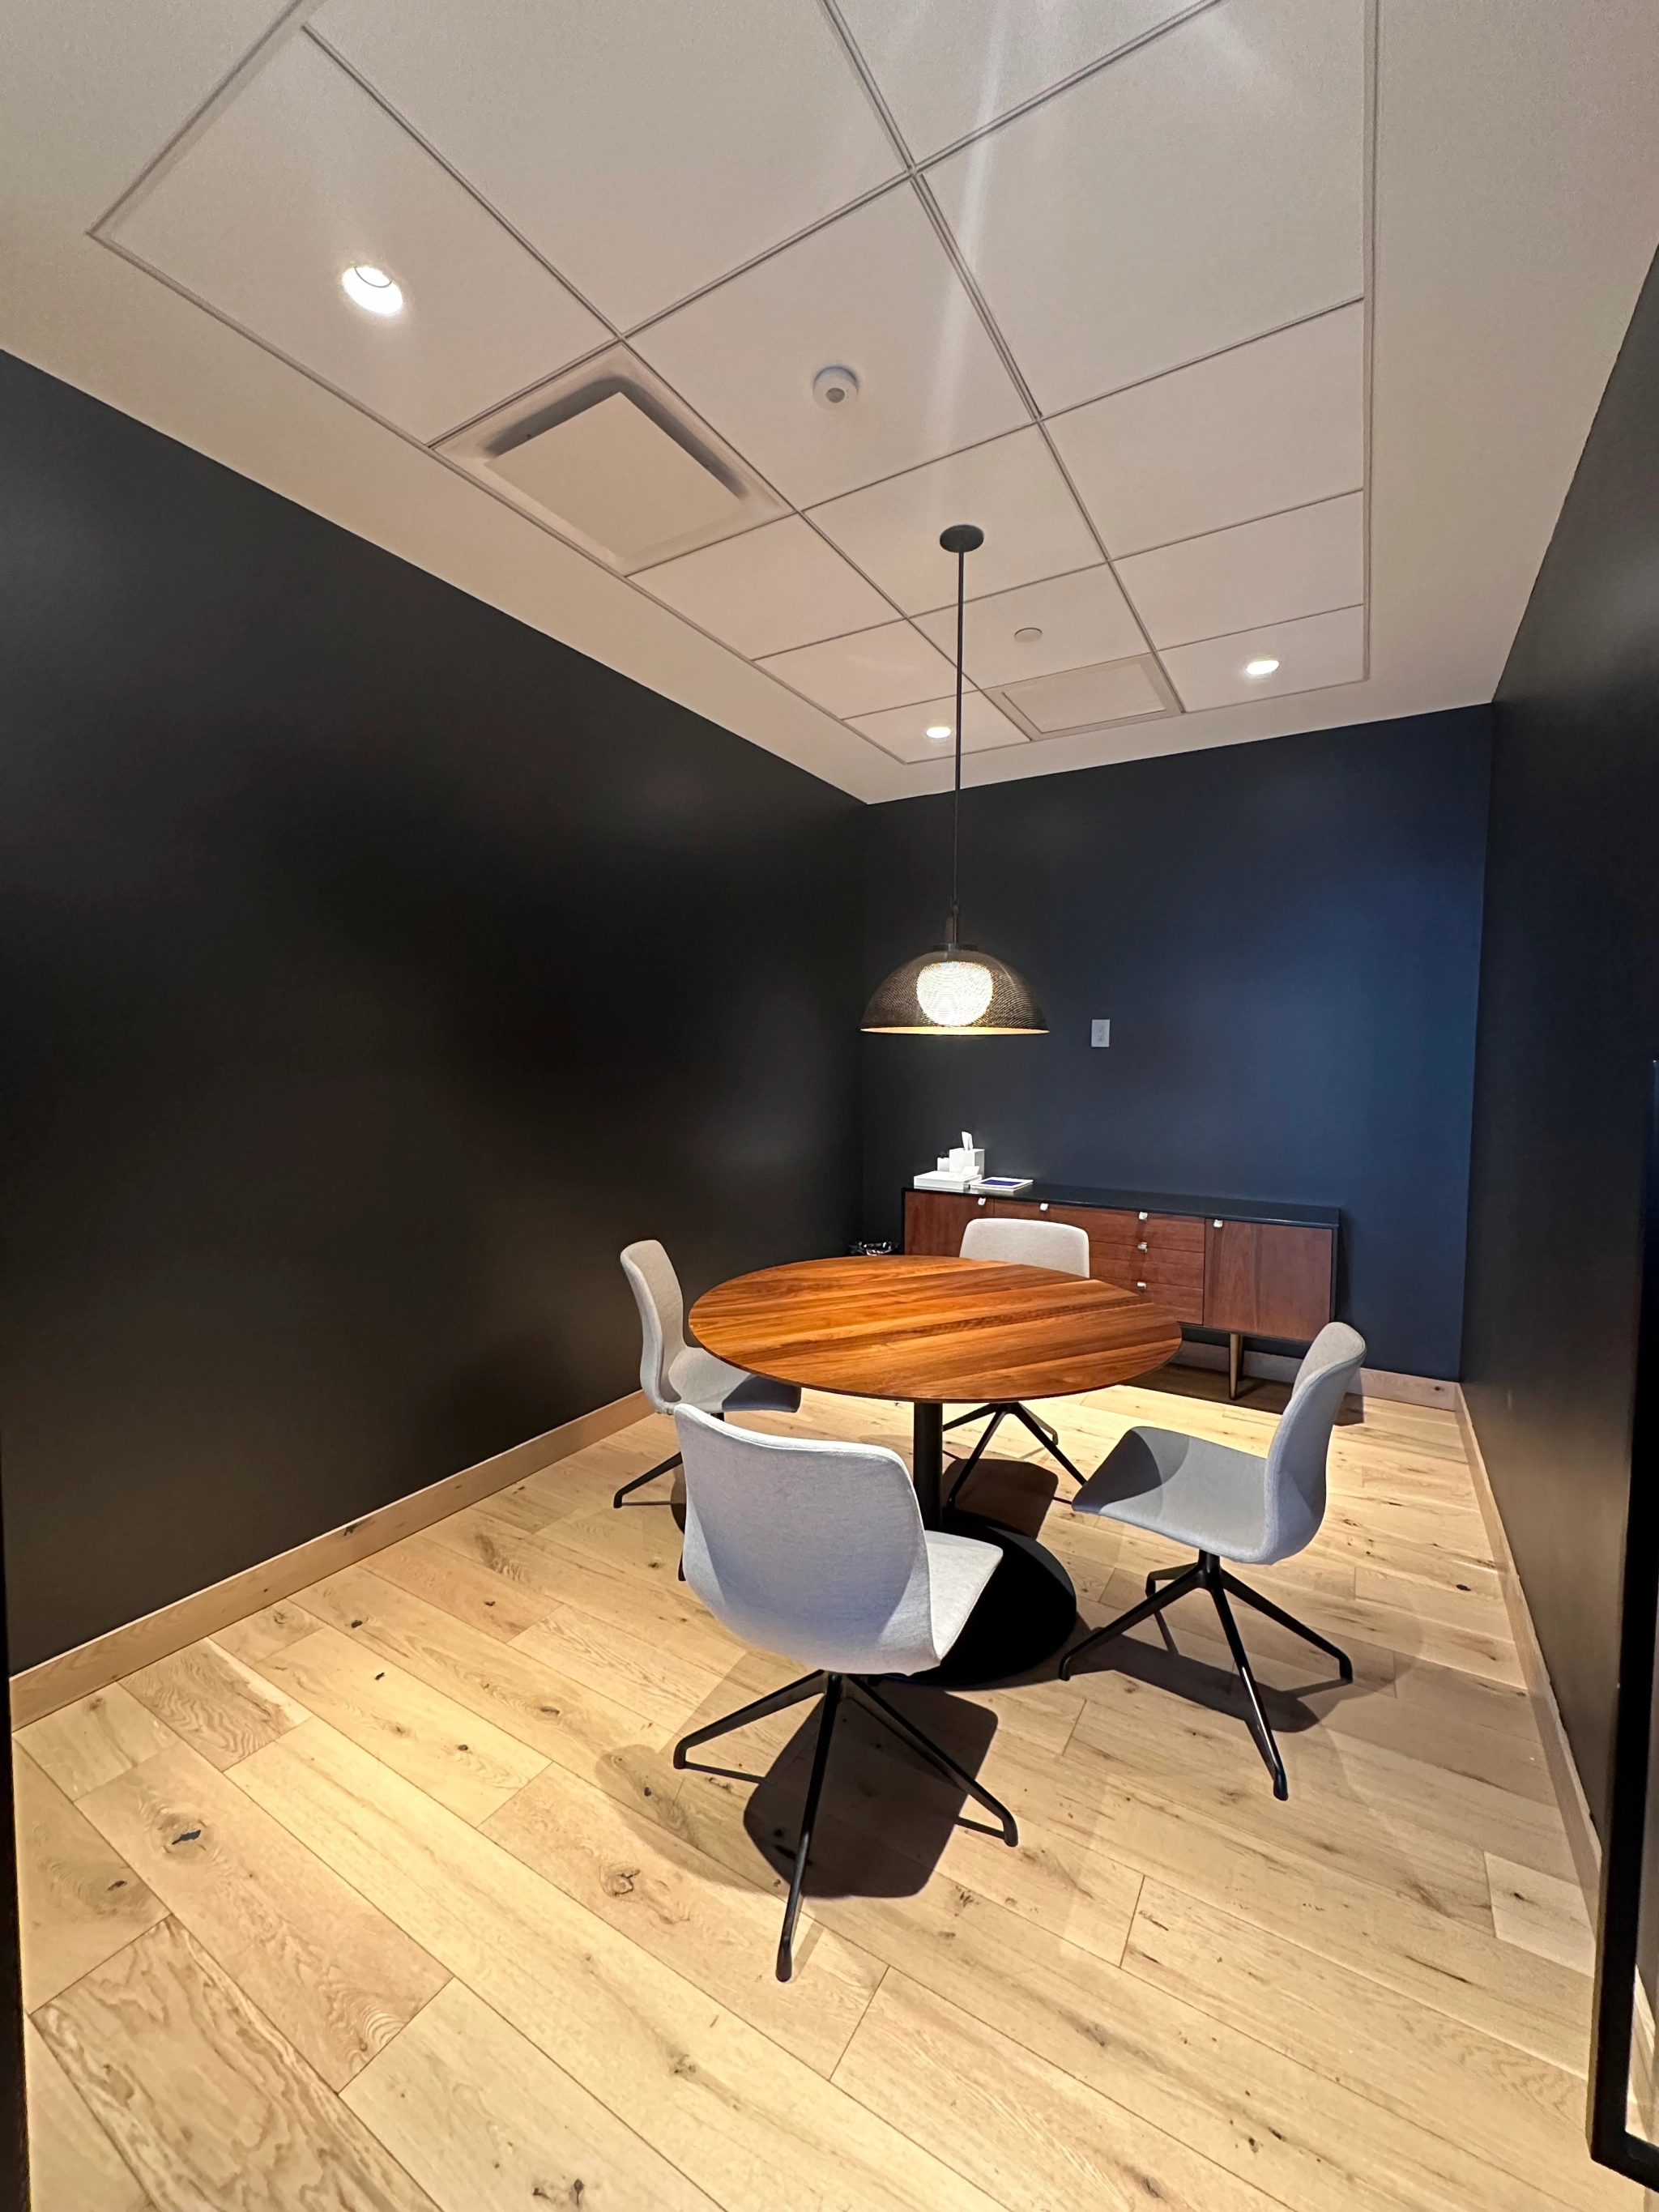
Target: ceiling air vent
{"points": [[616, 462], [1133, 690]]}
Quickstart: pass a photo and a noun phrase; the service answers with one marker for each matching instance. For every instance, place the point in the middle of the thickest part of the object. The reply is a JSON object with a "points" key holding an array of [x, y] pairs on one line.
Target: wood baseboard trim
{"points": [[93, 1666], [1280, 1367], [1584, 1842]]}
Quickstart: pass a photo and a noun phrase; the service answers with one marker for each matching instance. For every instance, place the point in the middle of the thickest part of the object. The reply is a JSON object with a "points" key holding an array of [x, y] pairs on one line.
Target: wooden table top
{"points": [[932, 1330]]}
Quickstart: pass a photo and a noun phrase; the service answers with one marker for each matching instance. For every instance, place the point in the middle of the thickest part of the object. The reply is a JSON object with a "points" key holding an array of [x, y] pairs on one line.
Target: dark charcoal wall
{"points": [[371, 968], [1285, 937], [1569, 1024]]}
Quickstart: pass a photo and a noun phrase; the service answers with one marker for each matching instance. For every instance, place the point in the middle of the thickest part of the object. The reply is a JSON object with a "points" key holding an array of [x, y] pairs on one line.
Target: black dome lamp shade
{"points": [[956, 990]]}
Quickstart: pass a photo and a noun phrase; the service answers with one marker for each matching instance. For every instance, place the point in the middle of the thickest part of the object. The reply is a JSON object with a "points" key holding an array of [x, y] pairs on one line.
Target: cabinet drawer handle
{"points": [[1141, 1217], [1140, 1287], [982, 1201], [1141, 1247], [1221, 1224], [1043, 1206]]}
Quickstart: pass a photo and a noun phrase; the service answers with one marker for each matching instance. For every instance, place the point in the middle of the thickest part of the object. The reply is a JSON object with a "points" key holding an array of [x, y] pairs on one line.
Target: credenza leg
{"points": [[1235, 1361]]}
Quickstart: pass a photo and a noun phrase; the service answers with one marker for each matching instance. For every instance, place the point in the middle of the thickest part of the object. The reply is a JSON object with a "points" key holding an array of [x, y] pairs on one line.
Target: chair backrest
{"points": [[1301, 1445], [811, 1549], [656, 1293], [1021, 1243]]}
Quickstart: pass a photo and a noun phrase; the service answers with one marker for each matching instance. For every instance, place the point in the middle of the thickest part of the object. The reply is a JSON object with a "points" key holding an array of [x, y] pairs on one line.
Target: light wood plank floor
{"points": [[389, 1899]]}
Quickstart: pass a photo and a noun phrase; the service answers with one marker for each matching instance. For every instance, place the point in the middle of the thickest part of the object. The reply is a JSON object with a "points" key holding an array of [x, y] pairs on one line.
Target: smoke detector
{"points": [[835, 387]]}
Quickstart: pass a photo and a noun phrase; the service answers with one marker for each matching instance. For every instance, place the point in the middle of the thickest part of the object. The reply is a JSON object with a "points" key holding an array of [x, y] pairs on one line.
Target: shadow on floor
{"points": [[887, 1815]]}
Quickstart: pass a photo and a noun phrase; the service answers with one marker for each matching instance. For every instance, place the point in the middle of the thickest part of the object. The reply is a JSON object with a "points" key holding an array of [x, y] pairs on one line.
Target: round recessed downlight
{"points": [[1029, 636], [940, 730], [835, 387], [1260, 667], [371, 288]]}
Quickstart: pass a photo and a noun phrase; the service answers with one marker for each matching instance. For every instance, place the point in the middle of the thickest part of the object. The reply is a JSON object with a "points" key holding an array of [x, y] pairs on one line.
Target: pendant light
{"points": [[956, 990]]}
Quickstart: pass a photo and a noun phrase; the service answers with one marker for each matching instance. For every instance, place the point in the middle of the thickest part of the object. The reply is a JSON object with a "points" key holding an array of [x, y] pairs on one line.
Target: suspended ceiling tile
{"points": [[1207, 188], [903, 731], [1286, 566], [945, 72], [874, 292], [892, 667], [1265, 427], [303, 175], [1320, 650], [1009, 487], [645, 147], [768, 590], [1079, 619], [1088, 698]]}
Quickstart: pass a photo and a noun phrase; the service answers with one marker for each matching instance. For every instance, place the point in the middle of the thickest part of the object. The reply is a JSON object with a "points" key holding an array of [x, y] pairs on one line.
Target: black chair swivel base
{"points": [[1048, 1437], [833, 1688], [1208, 1573], [651, 1474]]}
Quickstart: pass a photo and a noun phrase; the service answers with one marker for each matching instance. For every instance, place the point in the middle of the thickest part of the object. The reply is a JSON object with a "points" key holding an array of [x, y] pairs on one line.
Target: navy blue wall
{"points": [[1569, 1026], [372, 968], [1286, 939]]}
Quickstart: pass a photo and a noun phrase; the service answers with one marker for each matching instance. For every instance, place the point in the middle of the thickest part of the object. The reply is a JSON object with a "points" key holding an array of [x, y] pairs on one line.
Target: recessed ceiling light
{"points": [[1260, 667], [835, 387], [1029, 636], [365, 286], [938, 730]]}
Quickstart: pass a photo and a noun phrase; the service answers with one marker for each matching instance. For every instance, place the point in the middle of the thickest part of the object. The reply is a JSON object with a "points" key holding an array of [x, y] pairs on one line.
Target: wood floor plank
{"points": [[454, 1754], [78, 1901], [1521, 2115], [206, 2103], [73, 2165], [1028, 2133], [334, 1976], [272, 1629], [487, 2123], [548, 1711], [435, 1573], [661, 1686], [1271, 2121], [94, 1739], [223, 1707], [743, 2119], [654, 1886], [1540, 1913]]}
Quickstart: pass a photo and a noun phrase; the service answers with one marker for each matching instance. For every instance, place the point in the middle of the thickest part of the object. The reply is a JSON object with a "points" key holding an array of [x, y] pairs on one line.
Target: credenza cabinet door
{"points": [[934, 1221], [1268, 1278]]}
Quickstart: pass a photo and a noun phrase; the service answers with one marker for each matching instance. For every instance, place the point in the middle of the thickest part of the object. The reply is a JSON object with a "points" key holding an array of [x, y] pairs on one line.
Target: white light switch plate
{"points": [[1100, 1033]]}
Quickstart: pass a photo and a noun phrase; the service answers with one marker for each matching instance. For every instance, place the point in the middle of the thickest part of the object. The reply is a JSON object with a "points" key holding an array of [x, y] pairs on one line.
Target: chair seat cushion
{"points": [[713, 1385], [1205, 1496], [958, 1568]]}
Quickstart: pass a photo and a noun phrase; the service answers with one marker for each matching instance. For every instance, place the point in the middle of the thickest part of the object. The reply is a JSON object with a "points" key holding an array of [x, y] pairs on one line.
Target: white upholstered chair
{"points": [[673, 1373], [816, 1551], [1229, 1504], [1017, 1242]]}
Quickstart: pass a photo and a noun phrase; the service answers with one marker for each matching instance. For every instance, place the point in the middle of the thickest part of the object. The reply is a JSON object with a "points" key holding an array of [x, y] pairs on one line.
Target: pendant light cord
{"points": [[956, 798]]}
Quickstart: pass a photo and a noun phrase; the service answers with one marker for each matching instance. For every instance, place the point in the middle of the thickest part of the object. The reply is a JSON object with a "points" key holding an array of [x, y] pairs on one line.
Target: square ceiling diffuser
{"points": [[617, 477], [1132, 690]]}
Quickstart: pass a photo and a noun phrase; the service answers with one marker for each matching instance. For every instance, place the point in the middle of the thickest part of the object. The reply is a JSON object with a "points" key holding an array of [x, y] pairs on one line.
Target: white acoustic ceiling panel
{"points": [[1064, 622], [903, 731], [1264, 426], [1009, 487], [617, 477], [1089, 698], [1287, 565], [768, 590], [1207, 188], [892, 667], [874, 292], [944, 72], [303, 175], [1318, 651], [645, 147]]}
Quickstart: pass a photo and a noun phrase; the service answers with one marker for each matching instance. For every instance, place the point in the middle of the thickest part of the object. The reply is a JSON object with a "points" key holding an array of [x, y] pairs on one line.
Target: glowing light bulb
{"points": [[1260, 667], [954, 993], [368, 286], [938, 730]]}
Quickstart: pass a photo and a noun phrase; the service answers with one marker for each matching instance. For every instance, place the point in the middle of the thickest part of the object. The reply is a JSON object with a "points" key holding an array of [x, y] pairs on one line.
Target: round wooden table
{"points": [[938, 1332]]}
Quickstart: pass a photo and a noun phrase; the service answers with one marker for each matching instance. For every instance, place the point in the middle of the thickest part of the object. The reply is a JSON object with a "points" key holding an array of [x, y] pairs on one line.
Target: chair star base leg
{"points": [[650, 1476]]}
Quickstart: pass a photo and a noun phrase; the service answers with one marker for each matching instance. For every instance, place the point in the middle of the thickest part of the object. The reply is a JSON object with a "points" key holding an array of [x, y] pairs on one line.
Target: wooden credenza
{"points": [[1248, 1270]]}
